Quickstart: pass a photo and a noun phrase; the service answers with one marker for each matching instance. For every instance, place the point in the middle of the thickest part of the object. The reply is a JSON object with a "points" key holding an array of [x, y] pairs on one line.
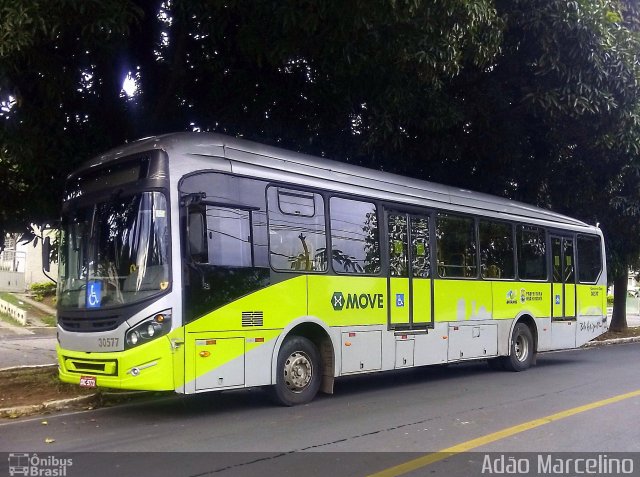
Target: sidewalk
{"points": [[633, 321]]}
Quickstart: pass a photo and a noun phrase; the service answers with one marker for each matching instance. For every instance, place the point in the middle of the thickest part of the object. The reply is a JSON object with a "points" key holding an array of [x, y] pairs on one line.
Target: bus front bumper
{"points": [[147, 367]]}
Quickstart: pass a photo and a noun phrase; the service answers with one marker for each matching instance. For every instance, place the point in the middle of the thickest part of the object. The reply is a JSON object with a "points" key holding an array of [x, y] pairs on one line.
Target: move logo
{"points": [[355, 301]]}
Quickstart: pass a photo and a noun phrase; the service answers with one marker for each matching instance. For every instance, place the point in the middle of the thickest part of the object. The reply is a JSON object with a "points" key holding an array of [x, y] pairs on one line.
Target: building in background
{"points": [[21, 264]]}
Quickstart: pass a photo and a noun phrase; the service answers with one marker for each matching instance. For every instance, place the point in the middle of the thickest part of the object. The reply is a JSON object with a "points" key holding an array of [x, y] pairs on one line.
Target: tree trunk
{"points": [[619, 318]]}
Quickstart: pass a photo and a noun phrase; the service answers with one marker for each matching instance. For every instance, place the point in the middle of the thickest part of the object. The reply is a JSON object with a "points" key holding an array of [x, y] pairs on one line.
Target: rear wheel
{"points": [[522, 349], [299, 372]]}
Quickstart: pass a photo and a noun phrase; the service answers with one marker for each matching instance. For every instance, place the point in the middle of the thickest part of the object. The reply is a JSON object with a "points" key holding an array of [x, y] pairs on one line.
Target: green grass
{"points": [[48, 320], [11, 320], [32, 311], [10, 298]]}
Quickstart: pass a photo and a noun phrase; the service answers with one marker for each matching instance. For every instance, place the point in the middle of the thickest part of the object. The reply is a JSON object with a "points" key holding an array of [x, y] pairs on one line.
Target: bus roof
{"points": [[245, 156]]}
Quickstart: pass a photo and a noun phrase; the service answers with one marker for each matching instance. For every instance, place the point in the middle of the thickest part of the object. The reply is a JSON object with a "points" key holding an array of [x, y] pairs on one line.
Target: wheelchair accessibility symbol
{"points": [[94, 294]]}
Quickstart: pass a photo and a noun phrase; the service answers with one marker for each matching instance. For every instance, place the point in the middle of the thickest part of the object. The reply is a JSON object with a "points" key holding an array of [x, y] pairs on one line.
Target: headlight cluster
{"points": [[149, 329]]}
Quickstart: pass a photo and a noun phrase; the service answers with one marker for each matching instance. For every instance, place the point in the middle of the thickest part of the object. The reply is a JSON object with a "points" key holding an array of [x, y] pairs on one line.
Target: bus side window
{"points": [[355, 245], [456, 245], [297, 236], [589, 258], [496, 250], [197, 238], [532, 263]]}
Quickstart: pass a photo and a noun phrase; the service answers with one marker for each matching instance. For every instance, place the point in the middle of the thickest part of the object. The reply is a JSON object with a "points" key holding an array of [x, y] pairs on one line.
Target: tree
{"points": [[326, 78], [54, 104], [510, 97], [559, 107]]}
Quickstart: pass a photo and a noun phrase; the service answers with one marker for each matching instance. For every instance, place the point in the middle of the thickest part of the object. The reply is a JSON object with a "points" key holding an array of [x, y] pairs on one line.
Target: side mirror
{"points": [[46, 254], [197, 237]]}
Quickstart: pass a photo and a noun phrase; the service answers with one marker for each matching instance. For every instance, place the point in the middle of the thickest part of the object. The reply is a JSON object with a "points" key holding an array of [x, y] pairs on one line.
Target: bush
{"points": [[43, 289]]}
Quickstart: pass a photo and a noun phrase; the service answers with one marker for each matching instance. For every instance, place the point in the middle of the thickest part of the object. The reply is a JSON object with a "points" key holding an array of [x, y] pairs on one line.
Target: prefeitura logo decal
{"points": [[356, 301]]}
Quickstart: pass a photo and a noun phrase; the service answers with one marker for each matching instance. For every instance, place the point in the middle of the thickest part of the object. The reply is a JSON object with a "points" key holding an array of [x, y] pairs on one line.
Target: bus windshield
{"points": [[115, 252]]}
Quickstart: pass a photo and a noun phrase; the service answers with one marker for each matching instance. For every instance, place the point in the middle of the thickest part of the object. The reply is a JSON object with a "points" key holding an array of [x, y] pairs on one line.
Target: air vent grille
{"points": [[252, 318], [83, 324]]}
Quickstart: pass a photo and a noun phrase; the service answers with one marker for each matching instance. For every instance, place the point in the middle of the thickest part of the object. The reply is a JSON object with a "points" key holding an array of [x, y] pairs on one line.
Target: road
{"points": [[26, 346], [372, 423]]}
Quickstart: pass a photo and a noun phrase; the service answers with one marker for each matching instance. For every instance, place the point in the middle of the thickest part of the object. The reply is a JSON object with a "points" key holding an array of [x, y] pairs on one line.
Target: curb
{"points": [[61, 404], [30, 366], [631, 339], [57, 405]]}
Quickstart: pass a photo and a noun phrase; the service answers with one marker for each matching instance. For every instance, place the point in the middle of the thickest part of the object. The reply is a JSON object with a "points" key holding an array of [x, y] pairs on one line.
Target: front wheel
{"points": [[299, 372], [522, 349]]}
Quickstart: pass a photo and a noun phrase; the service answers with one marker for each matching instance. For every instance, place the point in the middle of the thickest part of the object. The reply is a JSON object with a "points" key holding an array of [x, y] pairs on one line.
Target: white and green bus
{"points": [[198, 262]]}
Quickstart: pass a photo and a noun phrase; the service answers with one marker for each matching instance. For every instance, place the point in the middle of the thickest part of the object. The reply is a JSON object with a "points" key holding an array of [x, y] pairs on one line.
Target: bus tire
{"points": [[521, 349], [298, 372]]}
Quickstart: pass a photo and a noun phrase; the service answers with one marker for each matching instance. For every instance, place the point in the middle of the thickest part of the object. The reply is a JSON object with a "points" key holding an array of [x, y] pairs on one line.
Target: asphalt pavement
{"points": [[26, 346], [372, 423]]}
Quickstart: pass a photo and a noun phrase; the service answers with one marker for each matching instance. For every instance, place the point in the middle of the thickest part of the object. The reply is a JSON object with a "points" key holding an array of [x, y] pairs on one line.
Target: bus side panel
{"points": [[590, 300], [348, 300], [431, 348], [592, 316], [239, 338], [461, 300], [511, 299]]}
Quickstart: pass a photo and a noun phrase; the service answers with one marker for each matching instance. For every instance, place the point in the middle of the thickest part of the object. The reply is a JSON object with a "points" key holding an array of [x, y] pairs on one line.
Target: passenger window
{"points": [[589, 259], [398, 245], [456, 247], [297, 237], [300, 204], [355, 245], [532, 249], [496, 250], [420, 254]]}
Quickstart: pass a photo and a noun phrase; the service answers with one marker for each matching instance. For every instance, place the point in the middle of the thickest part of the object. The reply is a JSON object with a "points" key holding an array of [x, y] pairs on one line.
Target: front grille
{"points": [[89, 366], [84, 324], [102, 367], [252, 318]]}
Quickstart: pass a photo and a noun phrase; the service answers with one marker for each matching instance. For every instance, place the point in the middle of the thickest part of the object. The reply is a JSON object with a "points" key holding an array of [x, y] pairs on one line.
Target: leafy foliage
{"points": [[515, 97]]}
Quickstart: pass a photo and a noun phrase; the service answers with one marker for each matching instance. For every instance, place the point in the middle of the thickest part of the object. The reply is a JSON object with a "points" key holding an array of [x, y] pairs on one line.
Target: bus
{"points": [[197, 262]]}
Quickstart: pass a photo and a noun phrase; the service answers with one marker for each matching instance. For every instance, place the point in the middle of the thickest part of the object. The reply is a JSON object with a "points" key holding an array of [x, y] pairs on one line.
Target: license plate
{"points": [[88, 381]]}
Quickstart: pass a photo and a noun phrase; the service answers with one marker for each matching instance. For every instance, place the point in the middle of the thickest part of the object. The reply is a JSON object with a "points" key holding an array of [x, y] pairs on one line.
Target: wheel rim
{"points": [[298, 371], [521, 346]]}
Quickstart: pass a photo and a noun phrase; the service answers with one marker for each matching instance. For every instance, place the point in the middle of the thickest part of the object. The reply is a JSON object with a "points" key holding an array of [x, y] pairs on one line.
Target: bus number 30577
{"points": [[108, 342]]}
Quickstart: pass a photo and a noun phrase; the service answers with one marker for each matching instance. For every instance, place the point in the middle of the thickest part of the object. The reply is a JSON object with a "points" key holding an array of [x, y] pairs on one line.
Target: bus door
{"points": [[563, 282], [410, 286]]}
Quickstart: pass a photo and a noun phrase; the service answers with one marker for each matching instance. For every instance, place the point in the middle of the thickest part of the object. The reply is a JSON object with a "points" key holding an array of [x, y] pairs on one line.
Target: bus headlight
{"points": [[133, 338], [149, 329]]}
